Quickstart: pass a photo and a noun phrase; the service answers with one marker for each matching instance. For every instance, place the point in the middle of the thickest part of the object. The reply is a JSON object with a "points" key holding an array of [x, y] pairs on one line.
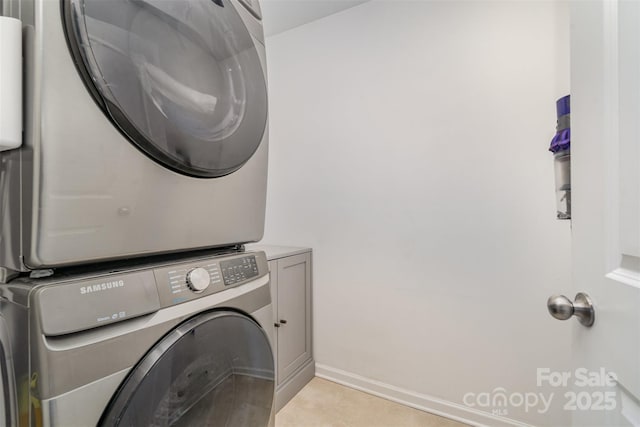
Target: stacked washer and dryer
{"points": [[126, 296]]}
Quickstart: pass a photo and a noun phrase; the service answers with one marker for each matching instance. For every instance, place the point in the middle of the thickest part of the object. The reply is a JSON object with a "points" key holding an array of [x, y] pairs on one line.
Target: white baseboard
{"points": [[415, 400]]}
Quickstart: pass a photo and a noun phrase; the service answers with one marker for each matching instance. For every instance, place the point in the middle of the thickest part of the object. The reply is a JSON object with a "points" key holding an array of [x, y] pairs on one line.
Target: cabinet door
{"points": [[294, 313]]}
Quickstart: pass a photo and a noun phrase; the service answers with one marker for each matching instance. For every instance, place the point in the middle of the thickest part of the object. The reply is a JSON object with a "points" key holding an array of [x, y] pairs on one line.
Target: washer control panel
{"points": [[184, 282], [85, 302]]}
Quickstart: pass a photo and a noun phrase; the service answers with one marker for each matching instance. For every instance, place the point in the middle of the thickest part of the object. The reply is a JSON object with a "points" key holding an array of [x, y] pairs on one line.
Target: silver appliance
{"points": [[145, 131], [172, 343]]}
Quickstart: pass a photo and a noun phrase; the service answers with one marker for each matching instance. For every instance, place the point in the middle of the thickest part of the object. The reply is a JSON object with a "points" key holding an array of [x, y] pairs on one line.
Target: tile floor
{"points": [[327, 404]]}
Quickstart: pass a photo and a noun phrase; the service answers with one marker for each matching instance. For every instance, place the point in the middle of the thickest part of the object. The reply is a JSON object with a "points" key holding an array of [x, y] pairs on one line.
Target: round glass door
{"points": [[216, 369], [181, 79]]}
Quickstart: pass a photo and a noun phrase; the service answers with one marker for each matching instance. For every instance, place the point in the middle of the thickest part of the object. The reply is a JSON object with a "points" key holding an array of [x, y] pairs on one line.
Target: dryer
{"points": [[174, 343], [145, 131]]}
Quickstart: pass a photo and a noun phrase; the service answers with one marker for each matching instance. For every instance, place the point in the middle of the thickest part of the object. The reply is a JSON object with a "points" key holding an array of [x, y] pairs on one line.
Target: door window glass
{"points": [[215, 370]]}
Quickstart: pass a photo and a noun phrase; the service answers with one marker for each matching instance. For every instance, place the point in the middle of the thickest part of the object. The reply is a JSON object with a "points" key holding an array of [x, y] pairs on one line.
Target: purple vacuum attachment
{"points": [[562, 140]]}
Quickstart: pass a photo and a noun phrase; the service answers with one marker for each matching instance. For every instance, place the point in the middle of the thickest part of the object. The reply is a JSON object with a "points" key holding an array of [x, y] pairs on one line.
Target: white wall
{"points": [[282, 15], [408, 148]]}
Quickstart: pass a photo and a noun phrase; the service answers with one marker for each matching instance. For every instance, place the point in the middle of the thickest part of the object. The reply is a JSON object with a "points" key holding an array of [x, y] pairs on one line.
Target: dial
{"points": [[198, 279]]}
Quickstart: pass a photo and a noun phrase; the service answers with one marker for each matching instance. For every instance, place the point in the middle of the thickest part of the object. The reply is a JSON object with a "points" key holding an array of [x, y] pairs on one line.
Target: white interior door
{"points": [[605, 87]]}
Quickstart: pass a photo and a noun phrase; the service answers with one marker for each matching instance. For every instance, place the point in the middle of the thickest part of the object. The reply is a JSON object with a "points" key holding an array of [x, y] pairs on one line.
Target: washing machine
{"points": [[180, 343], [145, 131]]}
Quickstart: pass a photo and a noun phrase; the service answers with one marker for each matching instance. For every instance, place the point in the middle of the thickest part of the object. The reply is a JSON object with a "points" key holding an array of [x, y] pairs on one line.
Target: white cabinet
{"points": [[291, 295]]}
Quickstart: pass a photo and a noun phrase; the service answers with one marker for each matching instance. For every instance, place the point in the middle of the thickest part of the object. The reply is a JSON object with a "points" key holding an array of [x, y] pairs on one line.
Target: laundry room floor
{"points": [[327, 404]]}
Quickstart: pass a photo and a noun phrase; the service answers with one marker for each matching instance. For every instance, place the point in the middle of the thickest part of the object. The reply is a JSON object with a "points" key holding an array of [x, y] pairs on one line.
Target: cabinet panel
{"points": [[293, 313], [273, 278]]}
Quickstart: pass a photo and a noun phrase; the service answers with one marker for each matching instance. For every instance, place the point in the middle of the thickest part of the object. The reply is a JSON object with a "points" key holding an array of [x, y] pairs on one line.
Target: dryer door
{"points": [[181, 79], [216, 369]]}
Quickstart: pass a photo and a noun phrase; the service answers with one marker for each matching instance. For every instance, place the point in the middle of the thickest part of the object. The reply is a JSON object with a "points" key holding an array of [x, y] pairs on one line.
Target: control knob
{"points": [[198, 279]]}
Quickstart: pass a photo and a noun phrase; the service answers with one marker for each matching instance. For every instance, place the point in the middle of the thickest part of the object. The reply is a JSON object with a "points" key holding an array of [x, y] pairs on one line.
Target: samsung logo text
{"points": [[101, 287]]}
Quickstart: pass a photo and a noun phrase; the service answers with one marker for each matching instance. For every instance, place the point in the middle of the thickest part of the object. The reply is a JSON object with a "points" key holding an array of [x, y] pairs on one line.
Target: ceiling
{"points": [[282, 15]]}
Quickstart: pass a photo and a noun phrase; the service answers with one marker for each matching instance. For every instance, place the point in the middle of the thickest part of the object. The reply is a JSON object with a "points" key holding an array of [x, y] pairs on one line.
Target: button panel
{"points": [[238, 269]]}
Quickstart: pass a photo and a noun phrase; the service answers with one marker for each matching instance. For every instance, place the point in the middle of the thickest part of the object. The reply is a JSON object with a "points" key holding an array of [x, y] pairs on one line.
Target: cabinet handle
{"points": [[277, 325], [284, 322]]}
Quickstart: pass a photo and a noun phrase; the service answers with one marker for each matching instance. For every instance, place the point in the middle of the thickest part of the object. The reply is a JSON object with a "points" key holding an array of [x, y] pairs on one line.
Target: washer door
{"points": [[216, 369], [7, 380], [181, 79]]}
